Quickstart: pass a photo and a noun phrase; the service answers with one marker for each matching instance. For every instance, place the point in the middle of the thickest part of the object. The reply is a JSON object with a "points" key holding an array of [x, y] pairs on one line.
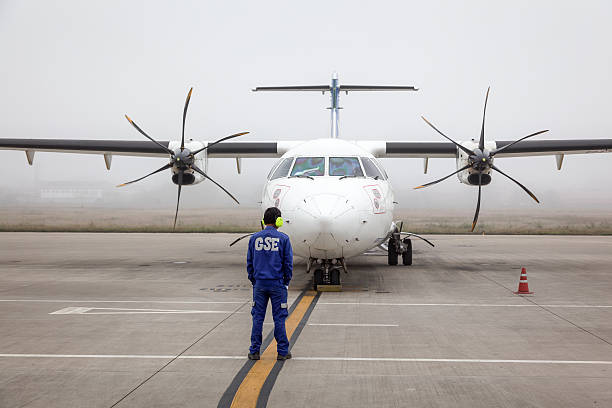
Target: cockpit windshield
{"points": [[308, 166], [345, 166]]}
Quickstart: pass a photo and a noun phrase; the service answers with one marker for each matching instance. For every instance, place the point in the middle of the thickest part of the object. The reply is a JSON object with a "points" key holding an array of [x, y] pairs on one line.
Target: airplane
{"points": [[334, 194]]}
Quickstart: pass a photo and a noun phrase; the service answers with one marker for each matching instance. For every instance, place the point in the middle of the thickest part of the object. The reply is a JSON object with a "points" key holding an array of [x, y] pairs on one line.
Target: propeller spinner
{"points": [[480, 160], [182, 159]]}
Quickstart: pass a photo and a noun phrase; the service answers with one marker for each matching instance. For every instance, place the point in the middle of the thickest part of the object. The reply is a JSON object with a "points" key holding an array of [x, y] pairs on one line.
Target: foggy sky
{"points": [[72, 69]]}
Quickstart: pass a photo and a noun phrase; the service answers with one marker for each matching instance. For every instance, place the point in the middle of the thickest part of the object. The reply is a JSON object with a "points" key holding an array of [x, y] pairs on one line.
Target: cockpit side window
{"points": [[380, 168], [371, 169], [308, 166], [274, 168], [345, 166], [282, 169]]}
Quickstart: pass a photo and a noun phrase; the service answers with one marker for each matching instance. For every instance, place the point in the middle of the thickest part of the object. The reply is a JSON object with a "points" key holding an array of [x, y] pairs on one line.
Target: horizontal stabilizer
{"points": [[343, 88], [347, 88], [318, 88]]}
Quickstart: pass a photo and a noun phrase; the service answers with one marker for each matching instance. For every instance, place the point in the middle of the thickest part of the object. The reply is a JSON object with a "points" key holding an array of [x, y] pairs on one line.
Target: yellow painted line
{"points": [[248, 392]]}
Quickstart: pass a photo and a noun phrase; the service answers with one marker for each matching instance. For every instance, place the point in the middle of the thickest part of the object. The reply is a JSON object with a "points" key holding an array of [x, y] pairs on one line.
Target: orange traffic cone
{"points": [[523, 288]]}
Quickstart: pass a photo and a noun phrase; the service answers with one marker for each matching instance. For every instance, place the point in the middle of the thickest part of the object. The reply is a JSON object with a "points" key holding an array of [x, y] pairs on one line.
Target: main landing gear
{"points": [[398, 246], [326, 276]]}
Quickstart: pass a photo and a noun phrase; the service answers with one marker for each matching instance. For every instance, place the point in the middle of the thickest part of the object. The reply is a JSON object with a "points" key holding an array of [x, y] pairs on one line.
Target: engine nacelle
{"points": [[469, 176], [191, 177]]}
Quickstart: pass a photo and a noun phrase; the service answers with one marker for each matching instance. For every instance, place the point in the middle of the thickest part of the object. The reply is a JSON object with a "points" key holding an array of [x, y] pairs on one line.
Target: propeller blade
{"points": [[167, 166], [241, 238], [465, 149], [401, 226], [178, 199], [410, 234], [184, 116], [520, 185], [481, 142], [478, 204], [219, 141], [194, 167], [443, 178], [147, 136], [493, 153]]}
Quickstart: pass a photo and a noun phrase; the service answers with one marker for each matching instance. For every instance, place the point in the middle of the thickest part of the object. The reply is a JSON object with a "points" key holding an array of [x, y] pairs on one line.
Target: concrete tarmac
{"points": [[163, 320]]}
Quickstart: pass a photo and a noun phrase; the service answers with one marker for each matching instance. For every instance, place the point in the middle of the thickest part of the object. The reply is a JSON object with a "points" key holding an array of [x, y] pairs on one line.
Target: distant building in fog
{"points": [[71, 195]]}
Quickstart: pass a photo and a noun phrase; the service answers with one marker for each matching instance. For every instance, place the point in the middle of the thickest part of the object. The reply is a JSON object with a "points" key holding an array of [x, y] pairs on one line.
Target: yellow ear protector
{"points": [[278, 223]]}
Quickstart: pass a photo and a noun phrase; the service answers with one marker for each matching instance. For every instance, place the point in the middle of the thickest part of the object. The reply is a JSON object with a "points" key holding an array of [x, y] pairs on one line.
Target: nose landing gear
{"points": [[398, 246], [327, 274]]}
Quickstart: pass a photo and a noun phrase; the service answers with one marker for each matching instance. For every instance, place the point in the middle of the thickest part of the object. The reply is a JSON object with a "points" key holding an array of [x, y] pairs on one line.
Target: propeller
{"points": [[261, 224], [410, 234], [480, 160], [182, 160]]}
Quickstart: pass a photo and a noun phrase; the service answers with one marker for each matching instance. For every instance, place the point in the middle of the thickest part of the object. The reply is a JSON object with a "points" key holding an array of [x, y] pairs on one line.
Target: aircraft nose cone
{"points": [[326, 208], [328, 212]]}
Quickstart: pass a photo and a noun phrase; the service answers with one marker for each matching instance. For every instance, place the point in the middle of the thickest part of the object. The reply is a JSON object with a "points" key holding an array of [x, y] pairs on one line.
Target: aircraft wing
{"points": [[524, 148], [142, 148]]}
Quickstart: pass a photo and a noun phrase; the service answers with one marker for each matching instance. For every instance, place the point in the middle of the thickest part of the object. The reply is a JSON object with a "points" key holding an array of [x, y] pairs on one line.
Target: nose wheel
{"points": [[326, 277]]}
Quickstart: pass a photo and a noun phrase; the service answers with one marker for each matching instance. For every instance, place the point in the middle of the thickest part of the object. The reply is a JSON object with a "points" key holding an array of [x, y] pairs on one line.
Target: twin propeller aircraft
{"points": [[334, 194]]}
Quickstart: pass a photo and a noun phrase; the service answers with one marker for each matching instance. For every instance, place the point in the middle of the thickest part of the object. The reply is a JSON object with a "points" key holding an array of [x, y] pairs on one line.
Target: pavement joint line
{"points": [[174, 358], [314, 358], [547, 309], [461, 305]]}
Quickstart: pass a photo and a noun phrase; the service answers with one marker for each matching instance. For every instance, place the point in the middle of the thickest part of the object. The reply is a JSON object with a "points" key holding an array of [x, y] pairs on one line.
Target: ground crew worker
{"points": [[270, 267]]}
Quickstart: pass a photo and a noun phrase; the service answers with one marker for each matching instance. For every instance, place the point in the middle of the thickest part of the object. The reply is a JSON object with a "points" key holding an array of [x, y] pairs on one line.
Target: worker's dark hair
{"points": [[270, 215]]}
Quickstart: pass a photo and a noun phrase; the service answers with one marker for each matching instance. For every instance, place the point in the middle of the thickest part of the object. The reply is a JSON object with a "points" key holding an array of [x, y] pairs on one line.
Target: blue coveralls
{"points": [[270, 267]]}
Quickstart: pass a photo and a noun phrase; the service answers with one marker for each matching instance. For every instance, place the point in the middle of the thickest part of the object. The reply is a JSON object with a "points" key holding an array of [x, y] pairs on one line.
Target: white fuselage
{"points": [[330, 216]]}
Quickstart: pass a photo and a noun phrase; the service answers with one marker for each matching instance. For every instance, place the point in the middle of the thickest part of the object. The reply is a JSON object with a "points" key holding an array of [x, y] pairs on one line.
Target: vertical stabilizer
{"points": [[335, 105]]}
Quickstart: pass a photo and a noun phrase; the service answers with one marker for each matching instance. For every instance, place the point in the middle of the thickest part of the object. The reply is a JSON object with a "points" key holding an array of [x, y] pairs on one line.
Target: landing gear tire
{"points": [[391, 252], [318, 278], [407, 254], [335, 276]]}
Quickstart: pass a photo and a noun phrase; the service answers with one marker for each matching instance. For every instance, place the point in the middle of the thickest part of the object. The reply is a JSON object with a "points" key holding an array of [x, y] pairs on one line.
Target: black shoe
{"points": [[253, 356], [283, 358]]}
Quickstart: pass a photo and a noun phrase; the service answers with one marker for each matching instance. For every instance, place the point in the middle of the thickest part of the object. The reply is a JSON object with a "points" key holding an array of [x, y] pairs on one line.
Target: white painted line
{"points": [[86, 356], [454, 360], [122, 311], [461, 305], [126, 356], [212, 357], [358, 359], [354, 324], [181, 302], [72, 310]]}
